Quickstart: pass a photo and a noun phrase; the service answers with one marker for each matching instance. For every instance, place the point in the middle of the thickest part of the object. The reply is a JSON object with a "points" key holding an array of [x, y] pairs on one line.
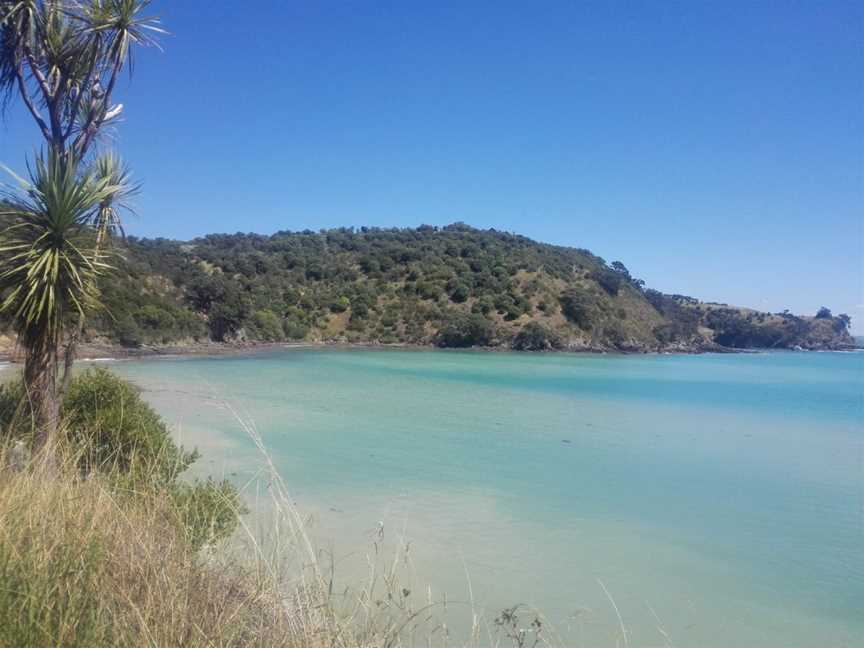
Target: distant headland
{"points": [[453, 286]]}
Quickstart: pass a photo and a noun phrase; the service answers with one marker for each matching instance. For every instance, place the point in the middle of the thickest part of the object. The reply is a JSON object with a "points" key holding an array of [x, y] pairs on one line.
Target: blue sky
{"points": [[716, 148]]}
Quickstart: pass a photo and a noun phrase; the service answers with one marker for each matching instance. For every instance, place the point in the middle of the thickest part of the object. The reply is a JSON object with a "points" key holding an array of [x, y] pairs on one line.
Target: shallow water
{"points": [[717, 498]]}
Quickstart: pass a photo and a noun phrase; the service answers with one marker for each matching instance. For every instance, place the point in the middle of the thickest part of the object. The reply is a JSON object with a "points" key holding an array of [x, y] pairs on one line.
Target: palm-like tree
{"points": [[107, 223], [63, 59], [116, 173], [50, 265]]}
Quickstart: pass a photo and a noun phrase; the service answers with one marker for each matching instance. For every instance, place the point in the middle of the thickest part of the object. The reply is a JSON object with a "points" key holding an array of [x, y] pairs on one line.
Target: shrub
{"points": [[579, 307], [106, 415], [154, 318], [429, 290], [111, 431], [615, 335], [609, 280], [128, 333], [460, 293], [536, 337], [484, 305], [843, 323], [466, 331], [683, 321], [513, 312], [12, 410], [295, 330], [359, 311], [340, 305], [267, 326]]}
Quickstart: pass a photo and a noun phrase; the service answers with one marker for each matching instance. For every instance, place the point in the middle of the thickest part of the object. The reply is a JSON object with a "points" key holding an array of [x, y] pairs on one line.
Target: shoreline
{"points": [[97, 352]]}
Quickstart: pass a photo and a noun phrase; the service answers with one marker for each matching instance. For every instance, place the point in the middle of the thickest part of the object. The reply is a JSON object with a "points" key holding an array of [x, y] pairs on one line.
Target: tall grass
{"points": [[85, 564], [81, 565]]}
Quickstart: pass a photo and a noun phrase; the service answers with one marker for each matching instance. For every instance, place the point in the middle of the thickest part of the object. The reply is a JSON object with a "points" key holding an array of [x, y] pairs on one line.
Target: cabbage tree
{"points": [[49, 267], [63, 60]]}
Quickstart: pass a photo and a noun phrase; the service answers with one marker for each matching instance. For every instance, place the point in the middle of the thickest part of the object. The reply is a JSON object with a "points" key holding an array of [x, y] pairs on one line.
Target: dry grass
{"points": [[83, 565]]}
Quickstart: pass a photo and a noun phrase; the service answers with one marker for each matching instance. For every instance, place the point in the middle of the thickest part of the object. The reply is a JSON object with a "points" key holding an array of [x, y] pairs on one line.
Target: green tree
{"points": [[62, 58], [50, 265], [579, 307], [536, 337], [267, 325], [340, 305], [464, 330]]}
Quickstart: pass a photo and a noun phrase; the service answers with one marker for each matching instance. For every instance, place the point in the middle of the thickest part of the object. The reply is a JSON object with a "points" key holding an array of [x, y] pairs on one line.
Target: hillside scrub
{"points": [[536, 337], [469, 330], [409, 285]]}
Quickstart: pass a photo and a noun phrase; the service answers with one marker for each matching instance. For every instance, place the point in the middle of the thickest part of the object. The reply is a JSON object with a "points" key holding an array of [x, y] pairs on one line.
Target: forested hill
{"points": [[450, 286]]}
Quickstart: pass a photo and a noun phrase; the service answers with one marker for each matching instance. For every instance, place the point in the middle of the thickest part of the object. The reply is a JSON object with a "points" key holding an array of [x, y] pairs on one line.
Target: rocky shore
{"points": [[105, 351]]}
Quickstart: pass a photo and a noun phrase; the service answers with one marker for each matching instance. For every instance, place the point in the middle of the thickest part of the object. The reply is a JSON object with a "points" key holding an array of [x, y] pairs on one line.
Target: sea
{"points": [[625, 500]]}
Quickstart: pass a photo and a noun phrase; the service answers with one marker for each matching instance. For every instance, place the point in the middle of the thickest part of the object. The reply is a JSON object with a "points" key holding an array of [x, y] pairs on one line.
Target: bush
{"points": [[536, 337], [267, 326], [295, 330], [128, 333], [579, 307], [340, 305], [106, 416], [359, 311], [466, 331], [460, 293], [609, 280], [13, 416], [843, 323], [429, 290], [154, 319], [484, 305], [110, 430]]}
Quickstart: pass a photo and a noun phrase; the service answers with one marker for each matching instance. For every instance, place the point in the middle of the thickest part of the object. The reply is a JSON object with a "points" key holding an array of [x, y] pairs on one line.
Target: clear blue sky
{"points": [[716, 148]]}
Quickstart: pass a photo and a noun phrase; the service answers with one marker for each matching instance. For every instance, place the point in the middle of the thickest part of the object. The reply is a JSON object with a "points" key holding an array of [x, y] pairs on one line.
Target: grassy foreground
{"points": [[108, 547], [82, 566]]}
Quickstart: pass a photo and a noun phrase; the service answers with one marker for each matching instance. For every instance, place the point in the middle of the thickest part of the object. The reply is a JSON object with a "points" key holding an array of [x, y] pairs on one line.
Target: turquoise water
{"points": [[716, 497]]}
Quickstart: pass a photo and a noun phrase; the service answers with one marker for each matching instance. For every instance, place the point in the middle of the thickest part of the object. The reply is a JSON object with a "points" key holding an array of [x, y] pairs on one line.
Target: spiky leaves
{"points": [[63, 57], [50, 261], [116, 173], [123, 25]]}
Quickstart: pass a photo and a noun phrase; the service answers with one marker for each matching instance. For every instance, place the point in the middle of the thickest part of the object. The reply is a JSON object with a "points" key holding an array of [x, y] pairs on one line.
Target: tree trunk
{"points": [[70, 353], [40, 381]]}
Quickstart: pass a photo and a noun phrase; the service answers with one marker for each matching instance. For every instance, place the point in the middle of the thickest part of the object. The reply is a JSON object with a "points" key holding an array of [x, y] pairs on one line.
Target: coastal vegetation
{"points": [[446, 286], [118, 548], [107, 430], [106, 538], [62, 60]]}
